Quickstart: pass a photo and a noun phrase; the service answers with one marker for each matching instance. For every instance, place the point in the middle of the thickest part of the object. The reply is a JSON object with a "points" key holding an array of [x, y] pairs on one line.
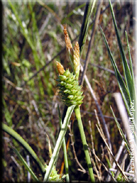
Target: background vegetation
{"points": [[32, 40]]}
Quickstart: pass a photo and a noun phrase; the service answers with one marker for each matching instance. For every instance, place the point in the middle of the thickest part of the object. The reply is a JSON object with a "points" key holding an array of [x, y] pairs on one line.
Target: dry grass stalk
{"points": [[81, 169], [99, 128], [125, 120]]}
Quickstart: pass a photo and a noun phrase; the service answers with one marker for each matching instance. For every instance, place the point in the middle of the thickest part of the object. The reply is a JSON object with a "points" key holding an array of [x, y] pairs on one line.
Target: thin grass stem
{"points": [[84, 142], [91, 42], [58, 143], [99, 109], [65, 152], [26, 165], [26, 146], [66, 161], [85, 25]]}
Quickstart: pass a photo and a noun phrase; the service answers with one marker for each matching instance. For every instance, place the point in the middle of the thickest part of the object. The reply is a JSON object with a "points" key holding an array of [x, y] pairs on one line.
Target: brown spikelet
{"points": [[76, 56], [67, 39], [60, 68]]}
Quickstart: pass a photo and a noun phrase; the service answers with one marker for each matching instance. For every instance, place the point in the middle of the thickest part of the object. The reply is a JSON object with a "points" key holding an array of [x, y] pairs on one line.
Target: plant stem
{"points": [[84, 142], [91, 42], [65, 152], [85, 25], [26, 165], [17, 137], [66, 161], [59, 142]]}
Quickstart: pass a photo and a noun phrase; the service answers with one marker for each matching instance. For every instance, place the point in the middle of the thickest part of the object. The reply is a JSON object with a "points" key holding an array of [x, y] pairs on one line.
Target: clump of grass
{"points": [[127, 89]]}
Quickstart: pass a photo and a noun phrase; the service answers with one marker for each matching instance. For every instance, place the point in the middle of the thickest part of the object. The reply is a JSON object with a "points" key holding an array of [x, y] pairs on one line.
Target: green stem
{"points": [[18, 138], [84, 142], [66, 161], [65, 151], [59, 142], [85, 25], [26, 165]]}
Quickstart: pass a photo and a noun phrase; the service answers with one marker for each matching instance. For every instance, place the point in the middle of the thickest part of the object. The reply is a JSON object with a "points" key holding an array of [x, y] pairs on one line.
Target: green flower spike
{"points": [[68, 85]]}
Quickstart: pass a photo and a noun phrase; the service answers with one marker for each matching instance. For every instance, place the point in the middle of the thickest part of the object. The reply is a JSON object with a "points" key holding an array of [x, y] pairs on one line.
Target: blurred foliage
{"points": [[32, 36]]}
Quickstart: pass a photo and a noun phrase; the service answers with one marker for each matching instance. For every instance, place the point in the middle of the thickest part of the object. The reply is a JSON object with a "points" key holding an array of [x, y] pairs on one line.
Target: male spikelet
{"points": [[76, 59], [67, 39]]}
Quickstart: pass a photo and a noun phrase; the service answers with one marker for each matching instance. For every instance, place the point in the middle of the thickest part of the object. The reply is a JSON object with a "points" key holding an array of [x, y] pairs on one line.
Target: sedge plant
{"points": [[71, 94], [69, 87]]}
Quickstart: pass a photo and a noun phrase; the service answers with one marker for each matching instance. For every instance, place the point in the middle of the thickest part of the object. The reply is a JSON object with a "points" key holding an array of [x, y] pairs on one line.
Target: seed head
{"points": [[60, 68], [67, 39]]}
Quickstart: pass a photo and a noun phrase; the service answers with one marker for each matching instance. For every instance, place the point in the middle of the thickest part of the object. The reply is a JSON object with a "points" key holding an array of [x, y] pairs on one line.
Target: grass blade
{"points": [[84, 142], [18, 138], [120, 131], [65, 151], [122, 86], [130, 59], [26, 165], [64, 20], [127, 74], [24, 30], [85, 25]]}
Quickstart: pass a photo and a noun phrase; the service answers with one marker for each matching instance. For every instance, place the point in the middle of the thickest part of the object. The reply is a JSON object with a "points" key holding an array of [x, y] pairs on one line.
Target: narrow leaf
{"points": [[26, 146], [123, 89], [26, 165], [130, 59], [65, 151], [131, 65], [127, 74], [85, 24], [120, 130]]}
